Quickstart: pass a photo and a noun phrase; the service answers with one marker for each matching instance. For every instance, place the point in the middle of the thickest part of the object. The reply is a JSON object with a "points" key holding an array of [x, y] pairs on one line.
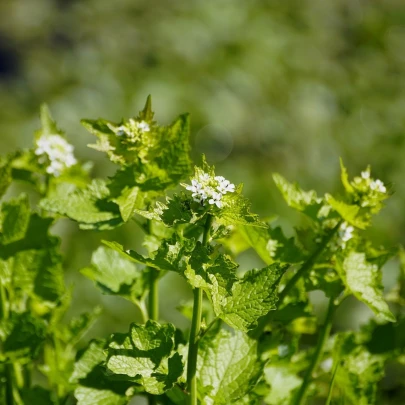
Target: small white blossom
{"points": [[216, 199], [271, 247], [365, 174], [56, 151], [143, 126], [205, 188], [345, 233], [326, 365], [121, 130], [378, 185]]}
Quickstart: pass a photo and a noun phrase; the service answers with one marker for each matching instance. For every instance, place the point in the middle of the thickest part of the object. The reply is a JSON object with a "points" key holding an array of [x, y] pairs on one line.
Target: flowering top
{"points": [[206, 187], [132, 129], [55, 152]]}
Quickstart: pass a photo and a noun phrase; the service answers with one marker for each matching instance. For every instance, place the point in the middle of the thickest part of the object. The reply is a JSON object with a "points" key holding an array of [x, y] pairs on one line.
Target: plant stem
{"points": [[153, 304], [195, 330], [307, 265], [332, 382], [323, 337], [9, 384]]}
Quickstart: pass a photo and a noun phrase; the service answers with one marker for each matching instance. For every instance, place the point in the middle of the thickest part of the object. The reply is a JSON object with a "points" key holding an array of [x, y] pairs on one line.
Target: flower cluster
{"points": [[56, 152], [377, 185], [209, 188], [132, 129]]}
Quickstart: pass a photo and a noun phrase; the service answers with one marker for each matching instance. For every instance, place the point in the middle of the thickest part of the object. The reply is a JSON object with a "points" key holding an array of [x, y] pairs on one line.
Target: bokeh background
{"points": [[286, 86]]}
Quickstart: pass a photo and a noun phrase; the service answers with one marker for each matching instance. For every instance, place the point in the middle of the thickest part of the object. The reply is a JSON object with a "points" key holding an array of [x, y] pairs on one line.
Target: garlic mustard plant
{"points": [[253, 337]]}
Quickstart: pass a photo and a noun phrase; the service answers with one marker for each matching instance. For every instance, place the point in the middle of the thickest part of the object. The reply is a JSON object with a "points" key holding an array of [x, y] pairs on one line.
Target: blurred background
{"points": [[271, 86]]}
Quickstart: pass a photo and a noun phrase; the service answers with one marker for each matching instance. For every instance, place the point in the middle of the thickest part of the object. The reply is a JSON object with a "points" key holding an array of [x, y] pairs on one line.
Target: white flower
{"points": [[143, 126], [55, 150], [216, 199], [207, 188], [378, 185], [365, 174], [121, 130], [345, 233]]}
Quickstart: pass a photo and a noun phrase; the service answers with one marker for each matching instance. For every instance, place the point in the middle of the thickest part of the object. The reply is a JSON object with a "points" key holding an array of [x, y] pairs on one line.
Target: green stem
{"points": [[309, 262], [195, 330], [307, 265], [9, 384], [153, 302], [323, 337], [3, 303], [332, 383]]}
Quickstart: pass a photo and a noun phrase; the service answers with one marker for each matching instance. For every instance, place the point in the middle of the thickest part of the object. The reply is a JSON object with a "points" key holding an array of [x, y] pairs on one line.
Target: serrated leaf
{"points": [[272, 245], [115, 274], [166, 257], [304, 201], [145, 356], [158, 156], [236, 211], [89, 207], [249, 299], [23, 336], [227, 368], [350, 213], [359, 371], [15, 217], [363, 279], [94, 386]]}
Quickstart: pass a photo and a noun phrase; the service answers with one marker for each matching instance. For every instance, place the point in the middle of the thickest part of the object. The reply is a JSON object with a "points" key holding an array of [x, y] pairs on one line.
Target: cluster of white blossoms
{"points": [[133, 127], [56, 152], [206, 188], [345, 232], [376, 185]]}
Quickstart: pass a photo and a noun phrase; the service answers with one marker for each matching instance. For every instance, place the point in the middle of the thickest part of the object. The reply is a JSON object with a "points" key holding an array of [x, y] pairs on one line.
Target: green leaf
{"points": [[249, 299], [166, 257], [38, 273], [359, 371], [37, 395], [283, 381], [304, 201], [5, 176], [49, 126], [236, 211], [115, 275], [22, 335], [345, 178], [89, 207], [271, 245], [158, 156], [363, 279], [15, 217], [350, 213], [145, 355], [227, 368], [94, 386]]}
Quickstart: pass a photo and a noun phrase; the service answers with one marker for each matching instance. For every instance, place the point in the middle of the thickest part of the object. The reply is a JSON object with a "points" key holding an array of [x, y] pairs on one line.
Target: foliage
{"points": [[250, 343]]}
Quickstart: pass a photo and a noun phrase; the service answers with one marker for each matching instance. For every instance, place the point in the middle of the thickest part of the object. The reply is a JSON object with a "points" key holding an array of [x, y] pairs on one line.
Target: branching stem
{"points": [[323, 337], [195, 330]]}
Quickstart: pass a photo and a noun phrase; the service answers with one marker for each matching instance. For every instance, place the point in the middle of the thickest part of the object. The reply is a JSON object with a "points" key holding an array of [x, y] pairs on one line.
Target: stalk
{"points": [[323, 337], [9, 384], [195, 330], [307, 265], [153, 307]]}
